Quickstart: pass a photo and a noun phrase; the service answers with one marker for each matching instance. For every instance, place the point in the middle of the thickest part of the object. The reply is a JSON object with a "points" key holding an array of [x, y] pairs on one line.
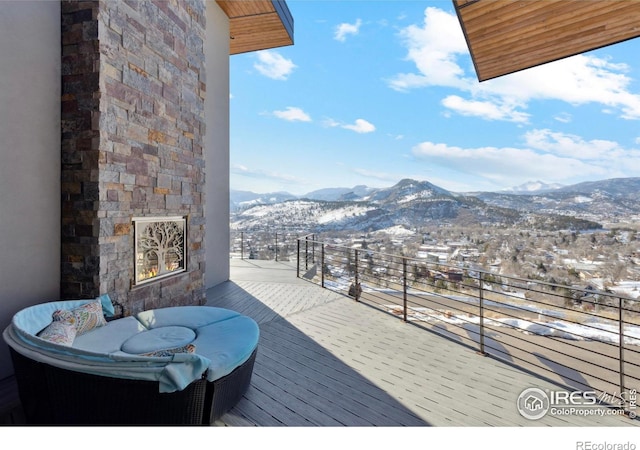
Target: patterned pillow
{"points": [[62, 330], [64, 315], [89, 316], [189, 348]]}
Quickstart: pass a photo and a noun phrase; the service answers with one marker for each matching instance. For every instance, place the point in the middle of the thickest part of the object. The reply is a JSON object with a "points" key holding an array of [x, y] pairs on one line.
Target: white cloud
{"points": [[360, 126], [239, 169], [485, 109], [553, 156], [345, 29], [574, 146], [382, 176], [577, 80], [403, 82], [273, 65], [564, 117], [439, 52], [330, 123], [293, 114], [506, 166], [433, 48]]}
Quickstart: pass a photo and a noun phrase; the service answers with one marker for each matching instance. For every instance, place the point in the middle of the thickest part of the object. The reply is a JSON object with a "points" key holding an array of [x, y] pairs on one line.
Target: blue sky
{"points": [[375, 91]]}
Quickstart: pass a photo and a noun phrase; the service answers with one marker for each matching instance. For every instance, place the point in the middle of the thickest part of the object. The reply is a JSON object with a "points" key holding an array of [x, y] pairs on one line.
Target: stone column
{"points": [[133, 93]]}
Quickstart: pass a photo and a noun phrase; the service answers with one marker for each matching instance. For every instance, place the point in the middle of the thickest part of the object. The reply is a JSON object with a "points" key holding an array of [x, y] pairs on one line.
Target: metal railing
{"points": [[580, 338], [278, 246]]}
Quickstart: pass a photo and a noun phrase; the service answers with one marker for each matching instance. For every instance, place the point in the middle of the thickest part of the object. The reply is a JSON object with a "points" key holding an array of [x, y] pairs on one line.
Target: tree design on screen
{"points": [[161, 245]]}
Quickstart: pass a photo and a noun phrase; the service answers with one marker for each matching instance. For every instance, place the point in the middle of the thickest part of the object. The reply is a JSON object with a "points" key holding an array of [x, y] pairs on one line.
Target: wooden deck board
{"points": [[495, 379], [335, 360], [279, 413], [392, 376], [301, 400], [329, 378]]}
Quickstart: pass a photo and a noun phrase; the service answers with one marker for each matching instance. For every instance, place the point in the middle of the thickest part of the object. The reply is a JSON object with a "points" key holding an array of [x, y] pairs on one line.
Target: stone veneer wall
{"points": [[133, 88]]}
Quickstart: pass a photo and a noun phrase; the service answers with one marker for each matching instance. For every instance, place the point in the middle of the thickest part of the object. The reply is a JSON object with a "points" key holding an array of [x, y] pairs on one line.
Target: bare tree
{"points": [[161, 243], [616, 271]]}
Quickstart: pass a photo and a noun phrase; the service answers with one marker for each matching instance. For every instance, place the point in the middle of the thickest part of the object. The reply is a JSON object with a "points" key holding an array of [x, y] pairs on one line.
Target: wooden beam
{"points": [[506, 36], [257, 24]]}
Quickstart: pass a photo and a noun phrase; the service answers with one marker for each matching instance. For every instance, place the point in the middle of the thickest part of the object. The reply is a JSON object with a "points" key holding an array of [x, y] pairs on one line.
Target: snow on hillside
{"points": [[259, 201], [293, 212], [591, 331], [533, 186], [582, 199], [557, 327], [415, 196], [397, 230], [627, 288], [340, 214]]}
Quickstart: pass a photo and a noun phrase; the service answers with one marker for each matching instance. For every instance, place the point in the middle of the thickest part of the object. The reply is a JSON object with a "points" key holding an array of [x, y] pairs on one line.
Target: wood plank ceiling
{"points": [[506, 36], [257, 24]]}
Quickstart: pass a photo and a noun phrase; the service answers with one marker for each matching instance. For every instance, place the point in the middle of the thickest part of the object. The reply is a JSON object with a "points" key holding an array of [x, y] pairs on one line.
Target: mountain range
{"points": [[411, 203], [531, 187]]}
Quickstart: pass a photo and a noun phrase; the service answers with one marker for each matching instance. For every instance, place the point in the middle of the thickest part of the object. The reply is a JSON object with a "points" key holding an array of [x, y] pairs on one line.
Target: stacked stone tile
{"points": [[133, 88]]}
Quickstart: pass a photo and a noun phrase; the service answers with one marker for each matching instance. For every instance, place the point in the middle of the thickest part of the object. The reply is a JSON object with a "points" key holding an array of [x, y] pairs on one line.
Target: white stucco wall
{"points": [[29, 158], [217, 146]]}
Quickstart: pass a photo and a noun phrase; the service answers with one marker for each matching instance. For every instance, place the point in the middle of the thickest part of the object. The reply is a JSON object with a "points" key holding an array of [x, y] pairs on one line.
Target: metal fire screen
{"points": [[160, 247]]}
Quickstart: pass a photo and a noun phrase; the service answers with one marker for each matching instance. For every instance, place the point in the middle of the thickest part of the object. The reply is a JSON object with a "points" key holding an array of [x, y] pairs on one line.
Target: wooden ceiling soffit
{"points": [[505, 36], [257, 24]]}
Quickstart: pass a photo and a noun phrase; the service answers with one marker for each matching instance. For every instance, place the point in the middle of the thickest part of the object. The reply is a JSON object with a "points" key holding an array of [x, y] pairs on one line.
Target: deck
{"points": [[326, 360]]}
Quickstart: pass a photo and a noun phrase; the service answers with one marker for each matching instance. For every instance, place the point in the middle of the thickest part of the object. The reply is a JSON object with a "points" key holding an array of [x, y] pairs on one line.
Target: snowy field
{"points": [[592, 330], [589, 331]]}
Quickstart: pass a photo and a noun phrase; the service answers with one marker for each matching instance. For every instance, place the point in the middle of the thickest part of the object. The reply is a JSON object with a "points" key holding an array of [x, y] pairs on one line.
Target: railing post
{"points": [[404, 288], [242, 245], [276, 246], [481, 300], [306, 253], [298, 257], [621, 354], [322, 264], [357, 286]]}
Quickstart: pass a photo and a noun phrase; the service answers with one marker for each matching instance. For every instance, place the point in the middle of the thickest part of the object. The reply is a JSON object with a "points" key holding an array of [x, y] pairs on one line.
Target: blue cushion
{"points": [[186, 316], [227, 344], [224, 340], [161, 338], [107, 305], [110, 338]]}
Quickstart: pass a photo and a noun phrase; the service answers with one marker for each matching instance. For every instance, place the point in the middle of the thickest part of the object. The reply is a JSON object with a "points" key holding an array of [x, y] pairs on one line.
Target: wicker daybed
{"points": [[179, 365]]}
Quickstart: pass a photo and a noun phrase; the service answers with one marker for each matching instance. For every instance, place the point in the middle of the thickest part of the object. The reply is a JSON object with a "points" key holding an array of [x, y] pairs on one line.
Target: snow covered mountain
{"points": [[616, 199], [245, 199], [332, 194], [531, 187], [412, 204]]}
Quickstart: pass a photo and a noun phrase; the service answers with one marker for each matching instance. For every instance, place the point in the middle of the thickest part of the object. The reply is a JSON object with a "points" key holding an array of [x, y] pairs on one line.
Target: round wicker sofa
{"points": [[133, 370]]}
